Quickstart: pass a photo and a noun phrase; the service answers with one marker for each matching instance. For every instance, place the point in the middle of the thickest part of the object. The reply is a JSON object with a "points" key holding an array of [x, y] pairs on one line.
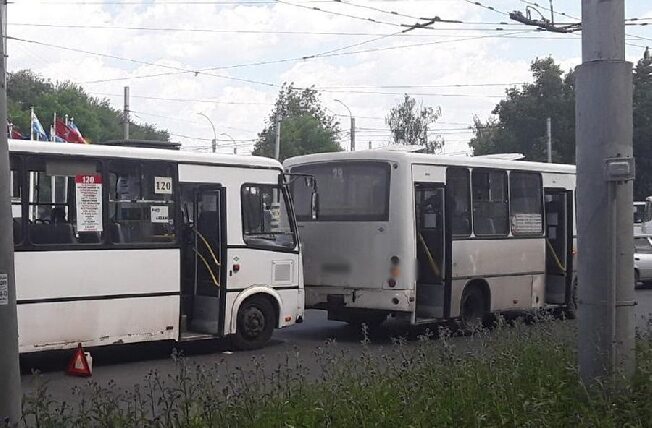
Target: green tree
{"points": [[94, 117], [520, 122], [643, 127], [305, 126], [410, 123]]}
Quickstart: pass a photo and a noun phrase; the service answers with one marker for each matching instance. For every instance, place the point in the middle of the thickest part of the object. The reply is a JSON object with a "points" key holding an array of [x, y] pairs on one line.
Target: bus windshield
{"points": [[348, 191]]}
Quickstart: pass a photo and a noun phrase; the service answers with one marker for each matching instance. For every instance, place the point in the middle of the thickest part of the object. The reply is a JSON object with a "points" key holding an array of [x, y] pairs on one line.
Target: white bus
{"points": [[429, 237], [122, 244]]}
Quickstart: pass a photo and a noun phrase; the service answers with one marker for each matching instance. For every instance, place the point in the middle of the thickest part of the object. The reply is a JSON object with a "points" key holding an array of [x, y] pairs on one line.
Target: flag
{"points": [[69, 134], [37, 129], [14, 132]]}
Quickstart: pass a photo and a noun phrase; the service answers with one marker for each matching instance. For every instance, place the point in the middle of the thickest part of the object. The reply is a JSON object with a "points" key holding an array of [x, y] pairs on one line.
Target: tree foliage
{"points": [[410, 123], [520, 121], [305, 126], [94, 117]]}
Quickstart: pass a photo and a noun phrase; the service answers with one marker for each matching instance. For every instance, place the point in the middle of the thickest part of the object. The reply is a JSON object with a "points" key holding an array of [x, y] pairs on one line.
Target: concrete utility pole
{"points": [[10, 392], [277, 151], [605, 170], [549, 138], [125, 114], [214, 141], [352, 125]]}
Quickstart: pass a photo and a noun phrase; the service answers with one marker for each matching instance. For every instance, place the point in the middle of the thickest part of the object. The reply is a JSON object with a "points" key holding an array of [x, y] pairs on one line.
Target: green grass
{"points": [[512, 376]]}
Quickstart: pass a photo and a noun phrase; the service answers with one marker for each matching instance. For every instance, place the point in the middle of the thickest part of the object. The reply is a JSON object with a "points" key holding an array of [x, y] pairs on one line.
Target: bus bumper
{"points": [[326, 297]]}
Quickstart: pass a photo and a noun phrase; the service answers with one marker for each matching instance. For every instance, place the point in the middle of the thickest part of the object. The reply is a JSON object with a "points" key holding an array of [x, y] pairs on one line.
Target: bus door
{"points": [[430, 244], [203, 255], [559, 245]]}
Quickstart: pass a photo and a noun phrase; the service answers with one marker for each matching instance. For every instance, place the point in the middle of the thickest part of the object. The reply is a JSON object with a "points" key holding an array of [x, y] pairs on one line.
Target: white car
{"points": [[642, 259]]}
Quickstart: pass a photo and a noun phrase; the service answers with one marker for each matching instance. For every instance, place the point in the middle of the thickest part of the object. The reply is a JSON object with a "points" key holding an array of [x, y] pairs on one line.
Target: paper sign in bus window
{"points": [[159, 214], [526, 224], [163, 185], [89, 203]]}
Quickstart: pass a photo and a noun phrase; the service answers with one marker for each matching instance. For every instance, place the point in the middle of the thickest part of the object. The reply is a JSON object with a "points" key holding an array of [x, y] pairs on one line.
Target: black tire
{"points": [[570, 311], [473, 308], [254, 324]]}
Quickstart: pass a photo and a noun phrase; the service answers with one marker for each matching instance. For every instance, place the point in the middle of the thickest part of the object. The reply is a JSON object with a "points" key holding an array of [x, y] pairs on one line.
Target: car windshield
{"points": [[642, 245]]}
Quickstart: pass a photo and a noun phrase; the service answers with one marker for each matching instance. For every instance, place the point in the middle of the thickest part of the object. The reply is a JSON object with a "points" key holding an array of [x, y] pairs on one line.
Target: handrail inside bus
{"points": [[555, 256], [431, 260]]}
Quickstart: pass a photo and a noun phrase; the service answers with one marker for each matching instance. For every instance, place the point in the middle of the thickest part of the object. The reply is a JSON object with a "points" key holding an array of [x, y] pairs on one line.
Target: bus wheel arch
{"points": [[255, 316], [475, 303]]}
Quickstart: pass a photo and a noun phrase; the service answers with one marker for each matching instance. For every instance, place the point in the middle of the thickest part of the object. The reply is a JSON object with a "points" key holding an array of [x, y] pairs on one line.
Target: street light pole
{"points": [[605, 171], [10, 391], [235, 148], [214, 142], [352, 125]]}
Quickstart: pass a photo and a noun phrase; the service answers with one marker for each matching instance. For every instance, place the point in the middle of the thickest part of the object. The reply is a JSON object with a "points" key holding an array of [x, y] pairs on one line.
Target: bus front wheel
{"points": [[255, 324]]}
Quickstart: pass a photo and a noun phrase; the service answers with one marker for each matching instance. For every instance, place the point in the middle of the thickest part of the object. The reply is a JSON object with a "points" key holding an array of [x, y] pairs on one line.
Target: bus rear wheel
{"points": [[472, 308], [254, 325]]}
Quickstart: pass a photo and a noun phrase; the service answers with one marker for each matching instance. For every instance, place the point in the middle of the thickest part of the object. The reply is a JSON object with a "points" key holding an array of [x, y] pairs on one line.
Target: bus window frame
{"points": [[285, 191], [387, 166], [16, 161], [543, 204], [106, 243], [508, 233], [469, 200]]}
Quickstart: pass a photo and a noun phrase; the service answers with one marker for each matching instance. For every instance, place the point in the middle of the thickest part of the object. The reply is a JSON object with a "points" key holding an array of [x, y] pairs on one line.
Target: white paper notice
{"points": [[159, 214], [526, 224], [89, 203], [4, 289], [163, 185]]}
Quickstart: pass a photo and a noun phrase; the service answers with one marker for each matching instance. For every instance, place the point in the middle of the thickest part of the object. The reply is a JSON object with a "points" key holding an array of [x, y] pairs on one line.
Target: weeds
{"points": [[515, 375]]}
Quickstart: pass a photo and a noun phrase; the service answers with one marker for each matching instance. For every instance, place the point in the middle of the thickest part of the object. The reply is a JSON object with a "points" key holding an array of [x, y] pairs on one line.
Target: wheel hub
{"points": [[253, 322]]}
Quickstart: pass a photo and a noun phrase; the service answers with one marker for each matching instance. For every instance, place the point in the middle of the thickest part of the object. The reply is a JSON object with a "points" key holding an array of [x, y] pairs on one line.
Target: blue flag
{"points": [[37, 129]]}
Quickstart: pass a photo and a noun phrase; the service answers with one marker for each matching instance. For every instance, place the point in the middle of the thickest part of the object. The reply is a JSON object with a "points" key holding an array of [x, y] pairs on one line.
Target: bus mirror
{"points": [[314, 206]]}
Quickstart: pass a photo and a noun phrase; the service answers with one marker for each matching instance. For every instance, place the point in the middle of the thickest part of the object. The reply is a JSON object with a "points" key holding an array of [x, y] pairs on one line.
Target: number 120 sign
{"points": [[163, 185]]}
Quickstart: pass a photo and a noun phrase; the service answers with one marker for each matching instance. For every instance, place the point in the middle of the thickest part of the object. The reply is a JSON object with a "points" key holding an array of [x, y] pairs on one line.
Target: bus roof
{"points": [[429, 159], [97, 150]]}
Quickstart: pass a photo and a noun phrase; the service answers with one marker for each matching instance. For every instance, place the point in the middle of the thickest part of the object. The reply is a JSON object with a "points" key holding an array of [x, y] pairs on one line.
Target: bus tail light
{"points": [[236, 267], [391, 282]]}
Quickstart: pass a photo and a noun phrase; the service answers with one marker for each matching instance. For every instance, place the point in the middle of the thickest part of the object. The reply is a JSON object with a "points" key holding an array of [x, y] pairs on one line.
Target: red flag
{"points": [[14, 132], [71, 135]]}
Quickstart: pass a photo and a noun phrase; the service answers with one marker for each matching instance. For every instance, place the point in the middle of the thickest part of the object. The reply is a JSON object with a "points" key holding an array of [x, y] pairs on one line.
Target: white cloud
{"points": [[242, 108]]}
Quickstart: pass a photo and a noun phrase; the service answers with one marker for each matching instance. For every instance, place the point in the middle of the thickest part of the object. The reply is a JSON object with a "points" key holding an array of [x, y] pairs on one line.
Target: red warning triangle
{"points": [[78, 365]]}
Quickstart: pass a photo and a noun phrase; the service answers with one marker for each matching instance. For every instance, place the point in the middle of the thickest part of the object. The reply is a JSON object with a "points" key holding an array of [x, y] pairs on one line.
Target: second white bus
{"points": [[429, 237]]}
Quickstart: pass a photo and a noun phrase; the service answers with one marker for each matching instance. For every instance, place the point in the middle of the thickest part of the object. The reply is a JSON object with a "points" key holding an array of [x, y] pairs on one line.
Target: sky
{"points": [[226, 59]]}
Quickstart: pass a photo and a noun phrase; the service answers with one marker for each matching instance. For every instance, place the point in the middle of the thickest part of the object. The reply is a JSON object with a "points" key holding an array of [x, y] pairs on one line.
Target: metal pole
{"points": [[277, 151], [235, 148], [214, 140], [549, 138], [605, 171], [31, 124], [352, 124], [352, 134], [125, 114], [10, 391]]}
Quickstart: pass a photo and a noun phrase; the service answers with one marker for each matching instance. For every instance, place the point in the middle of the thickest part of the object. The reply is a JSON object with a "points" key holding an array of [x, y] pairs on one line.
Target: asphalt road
{"points": [[129, 364]]}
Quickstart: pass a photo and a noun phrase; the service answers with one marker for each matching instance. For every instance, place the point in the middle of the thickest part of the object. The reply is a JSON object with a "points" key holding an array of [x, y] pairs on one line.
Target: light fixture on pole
{"points": [[214, 142], [235, 148], [352, 125]]}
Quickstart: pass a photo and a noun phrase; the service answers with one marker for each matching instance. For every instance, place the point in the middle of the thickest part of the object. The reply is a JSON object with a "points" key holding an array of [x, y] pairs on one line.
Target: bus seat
{"points": [[43, 233], [115, 231], [89, 237]]}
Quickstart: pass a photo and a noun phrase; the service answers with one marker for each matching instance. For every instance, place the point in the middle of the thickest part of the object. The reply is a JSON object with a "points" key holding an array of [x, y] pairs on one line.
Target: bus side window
{"points": [[457, 184], [141, 202], [55, 215], [526, 208], [16, 200], [490, 202]]}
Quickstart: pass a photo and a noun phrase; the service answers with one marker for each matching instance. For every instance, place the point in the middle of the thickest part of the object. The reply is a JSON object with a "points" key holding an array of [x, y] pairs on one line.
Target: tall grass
{"points": [[512, 376]]}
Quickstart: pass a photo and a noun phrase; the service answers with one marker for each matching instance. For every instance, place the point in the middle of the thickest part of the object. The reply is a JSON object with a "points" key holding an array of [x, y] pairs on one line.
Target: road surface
{"points": [[128, 365]]}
